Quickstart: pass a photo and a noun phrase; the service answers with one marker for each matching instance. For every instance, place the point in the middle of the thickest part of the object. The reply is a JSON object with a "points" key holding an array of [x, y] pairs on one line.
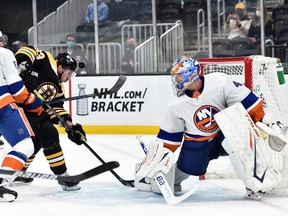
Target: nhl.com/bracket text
{"points": [[127, 101]]}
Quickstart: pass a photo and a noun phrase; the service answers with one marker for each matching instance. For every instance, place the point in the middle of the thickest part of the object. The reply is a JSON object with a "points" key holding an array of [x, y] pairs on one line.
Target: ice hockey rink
{"points": [[105, 195]]}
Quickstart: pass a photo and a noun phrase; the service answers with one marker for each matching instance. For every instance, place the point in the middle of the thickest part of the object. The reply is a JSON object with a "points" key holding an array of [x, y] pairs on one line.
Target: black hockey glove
{"points": [[29, 76], [77, 134]]}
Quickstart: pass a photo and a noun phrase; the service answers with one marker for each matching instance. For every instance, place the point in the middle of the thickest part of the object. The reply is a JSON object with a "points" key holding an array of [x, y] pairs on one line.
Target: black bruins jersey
{"points": [[48, 83]]}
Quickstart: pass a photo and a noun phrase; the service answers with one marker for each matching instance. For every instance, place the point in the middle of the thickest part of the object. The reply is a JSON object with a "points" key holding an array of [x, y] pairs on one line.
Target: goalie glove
{"points": [[158, 159], [277, 132], [77, 134]]}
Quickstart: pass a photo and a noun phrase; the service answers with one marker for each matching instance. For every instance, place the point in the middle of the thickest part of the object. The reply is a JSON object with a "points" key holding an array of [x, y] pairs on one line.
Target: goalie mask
{"points": [[184, 71]]}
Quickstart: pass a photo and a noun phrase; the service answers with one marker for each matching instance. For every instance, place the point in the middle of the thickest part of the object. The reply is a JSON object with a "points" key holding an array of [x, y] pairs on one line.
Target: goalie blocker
{"points": [[248, 152]]}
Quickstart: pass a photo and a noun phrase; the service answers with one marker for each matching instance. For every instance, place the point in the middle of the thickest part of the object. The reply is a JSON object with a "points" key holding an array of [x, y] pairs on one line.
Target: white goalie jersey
{"points": [[192, 114]]}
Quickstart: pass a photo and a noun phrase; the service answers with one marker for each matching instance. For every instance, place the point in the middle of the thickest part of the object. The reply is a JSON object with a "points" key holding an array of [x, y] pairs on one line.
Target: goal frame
{"points": [[247, 66]]}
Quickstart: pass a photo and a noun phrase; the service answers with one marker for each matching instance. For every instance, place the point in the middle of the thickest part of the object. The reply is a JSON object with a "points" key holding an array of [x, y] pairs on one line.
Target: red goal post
{"points": [[242, 66]]}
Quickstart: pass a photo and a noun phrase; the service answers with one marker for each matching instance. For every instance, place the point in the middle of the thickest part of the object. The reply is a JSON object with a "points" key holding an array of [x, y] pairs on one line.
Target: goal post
{"points": [[232, 66], [259, 74]]}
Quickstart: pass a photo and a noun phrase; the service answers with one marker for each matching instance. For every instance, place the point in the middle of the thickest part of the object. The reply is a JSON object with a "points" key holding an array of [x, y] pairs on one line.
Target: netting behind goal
{"points": [[258, 73]]}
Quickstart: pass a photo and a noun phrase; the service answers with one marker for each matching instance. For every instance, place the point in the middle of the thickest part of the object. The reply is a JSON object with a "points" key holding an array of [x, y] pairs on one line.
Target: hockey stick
{"points": [[68, 127], [73, 178], [120, 82], [129, 183], [163, 185]]}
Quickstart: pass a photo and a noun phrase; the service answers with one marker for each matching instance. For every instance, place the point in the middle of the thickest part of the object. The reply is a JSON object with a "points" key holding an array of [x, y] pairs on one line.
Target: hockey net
{"points": [[259, 73]]}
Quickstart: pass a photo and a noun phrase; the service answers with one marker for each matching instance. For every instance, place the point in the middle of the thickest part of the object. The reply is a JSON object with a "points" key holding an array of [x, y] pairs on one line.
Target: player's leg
{"points": [[35, 122], [17, 132], [49, 139], [194, 157]]}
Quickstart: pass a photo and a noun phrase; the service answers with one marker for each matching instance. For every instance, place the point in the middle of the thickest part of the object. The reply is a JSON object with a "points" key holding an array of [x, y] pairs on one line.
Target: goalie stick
{"points": [[119, 83], [163, 185], [65, 124], [73, 178]]}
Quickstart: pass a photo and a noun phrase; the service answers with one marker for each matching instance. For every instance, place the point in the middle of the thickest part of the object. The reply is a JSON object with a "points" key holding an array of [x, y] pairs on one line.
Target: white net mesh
{"points": [[259, 73]]}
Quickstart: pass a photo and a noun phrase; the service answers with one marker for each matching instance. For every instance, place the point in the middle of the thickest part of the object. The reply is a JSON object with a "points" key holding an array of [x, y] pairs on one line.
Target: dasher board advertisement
{"points": [[142, 100]]}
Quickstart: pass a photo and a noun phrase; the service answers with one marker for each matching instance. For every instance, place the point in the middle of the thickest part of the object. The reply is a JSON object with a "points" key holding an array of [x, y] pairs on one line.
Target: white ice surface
{"points": [[105, 195]]}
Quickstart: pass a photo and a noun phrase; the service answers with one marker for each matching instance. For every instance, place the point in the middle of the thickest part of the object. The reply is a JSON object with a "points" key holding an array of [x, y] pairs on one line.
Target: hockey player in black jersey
{"points": [[40, 71]]}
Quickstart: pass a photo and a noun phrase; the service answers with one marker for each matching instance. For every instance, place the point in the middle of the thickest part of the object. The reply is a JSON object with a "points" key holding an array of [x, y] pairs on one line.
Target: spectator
{"points": [[102, 12], [238, 23], [254, 33], [88, 25], [77, 53], [128, 59]]}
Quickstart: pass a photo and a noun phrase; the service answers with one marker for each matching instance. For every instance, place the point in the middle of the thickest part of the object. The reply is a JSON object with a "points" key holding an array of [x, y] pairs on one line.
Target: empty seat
{"points": [[133, 3], [283, 33], [169, 15], [146, 4], [176, 4], [242, 47], [280, 25], [222, 48], [231, 3], [193, 4], [118, 12], [280, 49], [280, 12], [221, 44], [145, 16], [190, 17], [85, 27], [84, 37]]}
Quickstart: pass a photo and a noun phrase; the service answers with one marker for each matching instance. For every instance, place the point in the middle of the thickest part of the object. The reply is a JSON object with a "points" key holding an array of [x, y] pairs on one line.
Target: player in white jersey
{"points": [[14, 126], [190, 122], [2, 43], [2, 40]]}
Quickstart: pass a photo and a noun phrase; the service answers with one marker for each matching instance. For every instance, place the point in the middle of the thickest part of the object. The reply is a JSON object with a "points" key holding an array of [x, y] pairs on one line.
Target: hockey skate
{"points": [[253, 195], [6, 195], [22, 181], [69, 186], [177, 188]]}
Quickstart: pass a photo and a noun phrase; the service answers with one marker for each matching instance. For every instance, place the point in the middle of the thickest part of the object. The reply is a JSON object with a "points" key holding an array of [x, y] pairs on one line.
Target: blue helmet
{"points": [[184, 71]]}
